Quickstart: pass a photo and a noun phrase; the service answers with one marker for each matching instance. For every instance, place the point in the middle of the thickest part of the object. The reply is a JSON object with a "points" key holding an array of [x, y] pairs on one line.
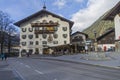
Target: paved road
{"points": [[7, 73], [37, 69]]}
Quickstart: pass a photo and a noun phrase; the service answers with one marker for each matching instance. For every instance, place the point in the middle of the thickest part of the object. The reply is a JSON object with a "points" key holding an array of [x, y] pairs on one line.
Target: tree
{"points": [[11, 33], [5, 22]]}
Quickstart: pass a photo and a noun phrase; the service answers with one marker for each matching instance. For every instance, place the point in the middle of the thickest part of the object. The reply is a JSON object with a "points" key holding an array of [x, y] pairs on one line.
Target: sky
{"points": [[82, 12]]}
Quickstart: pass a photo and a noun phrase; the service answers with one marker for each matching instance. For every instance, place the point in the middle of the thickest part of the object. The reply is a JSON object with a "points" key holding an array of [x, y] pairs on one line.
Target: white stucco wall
{"points": [[60, 33], [117, 27]]}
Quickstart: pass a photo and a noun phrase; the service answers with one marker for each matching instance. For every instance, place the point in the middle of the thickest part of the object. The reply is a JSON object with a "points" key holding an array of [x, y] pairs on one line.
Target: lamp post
{"points": [[95, 43]]}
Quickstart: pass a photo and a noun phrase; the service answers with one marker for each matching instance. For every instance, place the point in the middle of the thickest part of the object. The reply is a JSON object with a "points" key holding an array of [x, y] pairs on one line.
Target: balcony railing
{"points": [[44, 24], [44, 31]]}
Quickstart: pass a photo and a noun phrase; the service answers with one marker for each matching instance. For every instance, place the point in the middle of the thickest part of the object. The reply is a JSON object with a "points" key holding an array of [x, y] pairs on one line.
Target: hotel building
{"points": [[42, 30]]}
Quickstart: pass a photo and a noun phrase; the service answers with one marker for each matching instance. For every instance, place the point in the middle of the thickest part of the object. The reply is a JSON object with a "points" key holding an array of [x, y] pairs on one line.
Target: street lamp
{"points": [[95, 43]]}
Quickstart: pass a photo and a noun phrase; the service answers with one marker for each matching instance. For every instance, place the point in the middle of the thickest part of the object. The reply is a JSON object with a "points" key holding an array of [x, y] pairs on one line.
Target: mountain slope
{"points": [[100, 26]]}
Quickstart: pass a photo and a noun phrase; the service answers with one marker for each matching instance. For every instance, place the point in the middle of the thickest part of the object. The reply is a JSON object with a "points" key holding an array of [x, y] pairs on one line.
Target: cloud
{"points": [[86, 16], [60, 3], [79, 1]]}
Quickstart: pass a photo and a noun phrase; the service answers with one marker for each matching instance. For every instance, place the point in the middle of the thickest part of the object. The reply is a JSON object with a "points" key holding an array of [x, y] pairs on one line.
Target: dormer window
{"points": [[44, 21], [51, 22], [37, 21]]}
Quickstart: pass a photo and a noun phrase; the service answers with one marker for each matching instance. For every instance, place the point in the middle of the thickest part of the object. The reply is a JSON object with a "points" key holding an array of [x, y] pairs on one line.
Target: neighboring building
{"points": [[43, 29], [106, 42], [114, 15], [78, 39]]}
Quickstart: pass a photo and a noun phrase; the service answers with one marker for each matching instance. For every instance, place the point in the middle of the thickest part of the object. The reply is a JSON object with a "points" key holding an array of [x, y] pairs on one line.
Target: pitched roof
{"points": [[43, 11], [79, 33], [105, 34], [111, 14]]}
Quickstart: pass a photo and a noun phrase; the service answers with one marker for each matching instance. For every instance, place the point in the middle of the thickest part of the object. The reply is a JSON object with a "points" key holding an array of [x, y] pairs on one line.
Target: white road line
{"points": [[27, 66], [39, 72], [19, 75]]}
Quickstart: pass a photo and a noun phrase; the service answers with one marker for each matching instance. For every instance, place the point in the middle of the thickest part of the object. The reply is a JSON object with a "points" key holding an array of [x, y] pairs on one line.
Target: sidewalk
{"points": [[113, 59]]}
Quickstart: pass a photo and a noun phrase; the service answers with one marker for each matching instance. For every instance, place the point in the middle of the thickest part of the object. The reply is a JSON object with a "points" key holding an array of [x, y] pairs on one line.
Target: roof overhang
{"points": [[80, 33], [42, 12], [105, 34], [113, 12]]}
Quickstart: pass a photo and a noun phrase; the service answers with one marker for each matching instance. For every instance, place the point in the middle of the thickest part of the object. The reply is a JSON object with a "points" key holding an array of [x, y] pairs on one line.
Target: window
{"points": [[30, 36], [55, 35], [23, 51], [37, 36], [44, 42], [30, 29], [64, 28], [55, 28], [36, 50], [50, 28], [65, 42], [44, 36], [51, 22], [79, 38], [36, 28], [23, 36], [65, 35], [37, 43], [31, 42], [23, 29], [30, 51], [55, 42], [44, 28], [37, 21], [23, 43], [44, 21]]}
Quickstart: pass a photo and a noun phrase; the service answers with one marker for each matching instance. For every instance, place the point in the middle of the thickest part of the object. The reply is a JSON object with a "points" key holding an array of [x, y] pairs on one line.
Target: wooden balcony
{"points": [[44, 31], [44, 24]]}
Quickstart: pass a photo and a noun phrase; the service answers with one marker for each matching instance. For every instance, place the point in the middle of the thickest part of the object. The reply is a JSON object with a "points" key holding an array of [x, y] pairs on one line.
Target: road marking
{"points": [[27, 66], [39, 72], [19, 75]]}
